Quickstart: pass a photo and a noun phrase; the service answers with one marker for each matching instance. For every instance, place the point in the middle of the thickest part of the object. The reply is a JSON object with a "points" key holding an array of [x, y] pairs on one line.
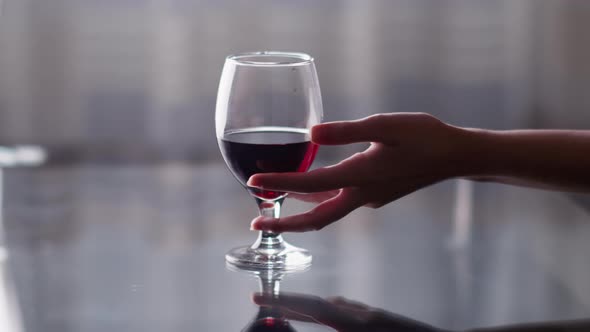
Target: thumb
{"points": [[374, 128]]}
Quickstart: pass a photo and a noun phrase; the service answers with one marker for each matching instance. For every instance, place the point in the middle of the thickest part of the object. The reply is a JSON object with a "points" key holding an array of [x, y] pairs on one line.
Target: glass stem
{"points": [[269, 240], [270, 283], [269, 287]]}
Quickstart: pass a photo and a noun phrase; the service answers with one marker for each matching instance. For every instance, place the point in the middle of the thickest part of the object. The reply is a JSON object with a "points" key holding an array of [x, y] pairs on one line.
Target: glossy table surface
{"points": [[140, 247]]}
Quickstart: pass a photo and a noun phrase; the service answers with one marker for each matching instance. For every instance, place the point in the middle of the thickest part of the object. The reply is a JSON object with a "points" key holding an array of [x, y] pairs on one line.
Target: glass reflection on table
{"points": [[268, 318], [278, 309], [17, 156], [10, 317]]}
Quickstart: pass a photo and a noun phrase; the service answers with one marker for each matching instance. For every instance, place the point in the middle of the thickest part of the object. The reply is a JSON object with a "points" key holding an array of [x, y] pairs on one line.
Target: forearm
{"points": [[551, 159], [571, 326]]}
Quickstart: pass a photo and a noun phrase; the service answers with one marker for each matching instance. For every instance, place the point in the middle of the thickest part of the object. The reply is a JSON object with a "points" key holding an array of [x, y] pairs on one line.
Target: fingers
{"points": [[315, 197], [349, 172], [303, 304], [347, 304], [322, 215], [308, 308], [385, 128], [291, 315], [357, 309], [375, 128], [298, 307]]}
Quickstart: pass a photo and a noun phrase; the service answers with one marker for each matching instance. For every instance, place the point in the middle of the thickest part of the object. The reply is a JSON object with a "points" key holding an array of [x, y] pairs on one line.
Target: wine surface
{"points": [[267, 150]]}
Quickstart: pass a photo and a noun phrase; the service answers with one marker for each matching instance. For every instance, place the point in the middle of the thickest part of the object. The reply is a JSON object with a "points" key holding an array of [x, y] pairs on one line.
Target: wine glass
{"points": [[266, 104], [268, 318]]}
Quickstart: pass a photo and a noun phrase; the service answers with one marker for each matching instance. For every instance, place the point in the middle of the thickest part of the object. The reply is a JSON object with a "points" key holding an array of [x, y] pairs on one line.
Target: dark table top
{"points": [[141, 248]]}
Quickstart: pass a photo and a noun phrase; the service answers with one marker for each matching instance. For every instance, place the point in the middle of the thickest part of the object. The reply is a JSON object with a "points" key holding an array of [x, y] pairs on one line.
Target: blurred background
{"points": [[139, 246], [138, 78]]}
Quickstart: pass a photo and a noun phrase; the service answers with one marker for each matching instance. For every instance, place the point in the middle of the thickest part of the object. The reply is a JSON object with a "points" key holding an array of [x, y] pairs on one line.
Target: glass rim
{"points": [[290, 59]]}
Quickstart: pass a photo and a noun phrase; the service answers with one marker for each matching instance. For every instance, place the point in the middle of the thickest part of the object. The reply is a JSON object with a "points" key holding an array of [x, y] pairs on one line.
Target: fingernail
{"points": [[262, 299], [253, 224], [250, 182], [257, 297], [316, 133], [261, 224], [320, 132]]}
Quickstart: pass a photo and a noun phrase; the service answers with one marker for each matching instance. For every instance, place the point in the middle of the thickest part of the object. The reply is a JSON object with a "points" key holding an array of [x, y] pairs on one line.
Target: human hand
{"points": [[339, 313], [345, 315], [408, 151]]}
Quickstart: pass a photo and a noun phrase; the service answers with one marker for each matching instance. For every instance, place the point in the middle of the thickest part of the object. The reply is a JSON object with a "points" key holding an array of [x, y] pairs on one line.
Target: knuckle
{"points": [[318, 303], [379, 121], [377, 118], [423, 115], [374, 316], [358, 156], [338, 299], [373, 205], [377, 204], [312, 225], [428, 118], [317, 227], [309, 215]]}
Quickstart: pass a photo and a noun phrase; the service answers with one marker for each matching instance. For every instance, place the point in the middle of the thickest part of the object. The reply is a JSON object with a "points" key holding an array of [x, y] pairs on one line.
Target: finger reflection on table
{"points": [[338, 313], [346, 315]]}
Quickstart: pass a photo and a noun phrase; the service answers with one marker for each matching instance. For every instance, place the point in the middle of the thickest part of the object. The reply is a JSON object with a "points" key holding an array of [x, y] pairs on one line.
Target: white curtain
{"points": [[143, 74]]}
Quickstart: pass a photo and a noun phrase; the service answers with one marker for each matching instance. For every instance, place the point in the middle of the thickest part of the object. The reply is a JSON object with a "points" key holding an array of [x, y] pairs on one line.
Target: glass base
{"points": [[285, 258]]}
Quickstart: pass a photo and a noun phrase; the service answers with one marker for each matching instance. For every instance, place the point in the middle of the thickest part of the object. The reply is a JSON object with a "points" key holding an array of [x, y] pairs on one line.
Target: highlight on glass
{"points": [[266, 105]]}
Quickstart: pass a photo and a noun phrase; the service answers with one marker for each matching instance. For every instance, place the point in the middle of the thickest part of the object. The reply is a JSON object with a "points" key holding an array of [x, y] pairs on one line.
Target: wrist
{"points": [[478, 153]]}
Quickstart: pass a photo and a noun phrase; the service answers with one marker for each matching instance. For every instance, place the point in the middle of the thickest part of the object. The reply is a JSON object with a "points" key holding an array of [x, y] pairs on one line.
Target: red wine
{"points": [[269, 324], [268, 320], [267, 150]]}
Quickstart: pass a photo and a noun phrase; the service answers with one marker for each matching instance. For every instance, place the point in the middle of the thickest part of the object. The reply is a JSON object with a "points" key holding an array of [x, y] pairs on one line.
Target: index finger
{"points": [[319, 217], [370, 129], [313, 307], [349, 172]]}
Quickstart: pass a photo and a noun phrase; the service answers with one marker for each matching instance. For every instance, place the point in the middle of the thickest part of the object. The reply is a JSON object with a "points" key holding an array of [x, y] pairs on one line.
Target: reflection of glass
{"points": [[266, 104], [22, 155], [10, 318], [17, 156], [269, 318]]}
